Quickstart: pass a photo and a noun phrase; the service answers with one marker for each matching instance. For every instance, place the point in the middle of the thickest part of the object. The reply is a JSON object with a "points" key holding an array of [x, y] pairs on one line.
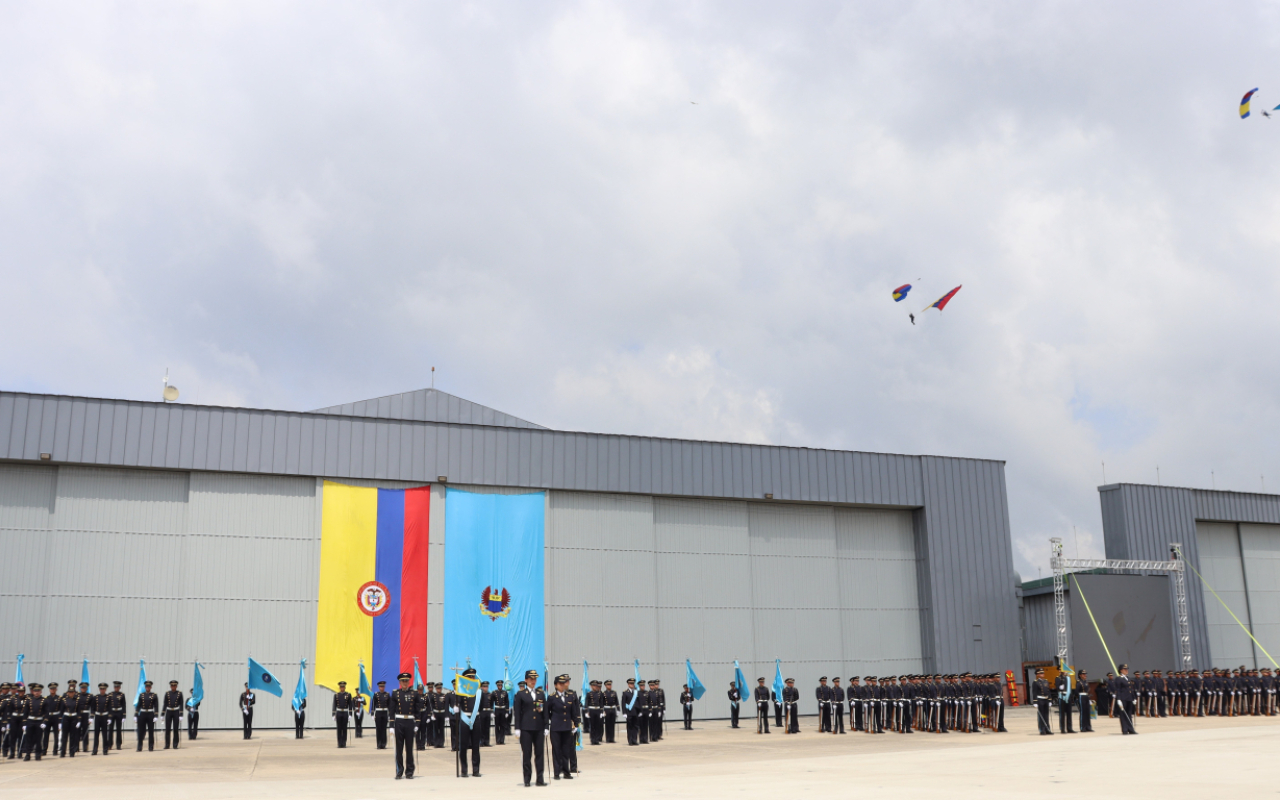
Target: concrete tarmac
{"points": [[1171, 759]]}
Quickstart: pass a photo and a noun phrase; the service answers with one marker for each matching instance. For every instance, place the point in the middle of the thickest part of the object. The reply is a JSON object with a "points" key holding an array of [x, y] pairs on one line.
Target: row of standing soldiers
{"points": [[36, 723], [933, 703], [1193, 693]]}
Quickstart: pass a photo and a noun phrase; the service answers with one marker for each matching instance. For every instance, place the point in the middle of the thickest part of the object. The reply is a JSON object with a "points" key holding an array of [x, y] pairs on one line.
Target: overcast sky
{"points": [[673, 219]]}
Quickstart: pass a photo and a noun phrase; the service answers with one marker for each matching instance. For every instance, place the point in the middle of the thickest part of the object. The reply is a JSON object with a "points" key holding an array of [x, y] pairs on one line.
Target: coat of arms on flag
{"points": [[494, 604]]}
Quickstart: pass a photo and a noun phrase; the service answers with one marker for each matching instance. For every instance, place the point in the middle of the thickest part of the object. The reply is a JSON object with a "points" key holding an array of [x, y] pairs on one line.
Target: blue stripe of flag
{"points": [[388, 567]]}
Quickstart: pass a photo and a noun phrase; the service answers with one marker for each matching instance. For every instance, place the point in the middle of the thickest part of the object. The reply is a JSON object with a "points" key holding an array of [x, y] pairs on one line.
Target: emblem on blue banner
{"points": [[495, 604]]}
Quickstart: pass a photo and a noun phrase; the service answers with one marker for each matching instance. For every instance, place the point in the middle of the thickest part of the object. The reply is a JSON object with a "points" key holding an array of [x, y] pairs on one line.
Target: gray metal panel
{"points": [[1260, 551], [342, 445], [969, 555], [1040, 631], [428, 405], [1222, 567]]}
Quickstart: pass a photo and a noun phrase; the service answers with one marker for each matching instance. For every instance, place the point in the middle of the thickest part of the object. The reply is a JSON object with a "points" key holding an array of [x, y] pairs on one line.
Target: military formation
{"points": [[38, 721]]}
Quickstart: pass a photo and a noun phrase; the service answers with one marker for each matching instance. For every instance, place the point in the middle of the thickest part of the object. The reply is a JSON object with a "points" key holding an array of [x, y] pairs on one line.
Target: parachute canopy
{"points": [[901, 292], [1244, 103]]}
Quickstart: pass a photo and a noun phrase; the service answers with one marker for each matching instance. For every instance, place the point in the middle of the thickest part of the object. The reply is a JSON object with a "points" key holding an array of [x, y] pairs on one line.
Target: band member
{"points": [[404, 707], [763, 696], [529, 709]]}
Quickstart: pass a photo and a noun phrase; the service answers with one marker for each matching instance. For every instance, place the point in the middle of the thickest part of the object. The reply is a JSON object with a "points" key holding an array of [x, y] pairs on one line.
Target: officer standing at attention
{"points": [[686, 705], [735, 700], [1063, 693], [404, 705], [562, 718], [119, 706], [657, 709], [426, 733], [631, 707], [439, 709], [791, 700], [246, 710], [823, 696], [1122, 691], [1040, 696], [100, 707], [1082, 699], [381, 706], [484, 717], [501, 712], [82, 703], [358, 702], [144, 714], [837, 706], [762, 706], [468, 738], [172, 706], [52, 710], [594, 722], [299, 718], [70, 722], [611, 712], [34, 719], [529, 708], [342, 712], [193, 718]]}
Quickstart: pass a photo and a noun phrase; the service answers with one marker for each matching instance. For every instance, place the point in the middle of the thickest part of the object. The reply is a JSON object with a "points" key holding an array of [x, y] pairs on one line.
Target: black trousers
{"points": [[342, 718], [32, 739], [595, 726], [380, 728], [193, 723], [1042, 715], [483, 723], [532, 751], [655, 725], [777, 714], [839, 726], [359, 720], [70, 734], [644, 727], [610, 725], [84, 732], [428, 725], [1065, 711], [633, 729], [824, 717], [468, 741], [1086, 722], [101, 733], [502, 718], [688, 717], [147, 730], [53, 732], [299, 720], [1125, 711], [793, 725], [172, 722], [561, 745], [762, 718], [248, 722], [404, 746], [733, 715]]}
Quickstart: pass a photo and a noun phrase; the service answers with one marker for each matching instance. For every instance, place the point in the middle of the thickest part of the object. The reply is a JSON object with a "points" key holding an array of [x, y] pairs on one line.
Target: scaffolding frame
{"points": [[1175, 567]]}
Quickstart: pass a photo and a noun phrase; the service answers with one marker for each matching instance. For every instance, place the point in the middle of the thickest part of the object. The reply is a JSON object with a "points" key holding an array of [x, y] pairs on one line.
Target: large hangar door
{"points": [[879, 597], [1220, 563], [1260, 545]]}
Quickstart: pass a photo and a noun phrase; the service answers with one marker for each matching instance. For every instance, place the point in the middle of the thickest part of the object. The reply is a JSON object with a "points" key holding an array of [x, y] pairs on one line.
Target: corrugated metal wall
{"points": [[1039, 628], [428, 405]]}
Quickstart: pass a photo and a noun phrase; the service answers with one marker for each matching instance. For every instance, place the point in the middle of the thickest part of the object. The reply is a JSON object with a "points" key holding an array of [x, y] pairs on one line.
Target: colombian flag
{"points": [[373, 582], [941, 302]]}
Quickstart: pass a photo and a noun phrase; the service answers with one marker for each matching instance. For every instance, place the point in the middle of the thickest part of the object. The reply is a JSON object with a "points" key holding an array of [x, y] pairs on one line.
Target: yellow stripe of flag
{"points": [[348, 544]]}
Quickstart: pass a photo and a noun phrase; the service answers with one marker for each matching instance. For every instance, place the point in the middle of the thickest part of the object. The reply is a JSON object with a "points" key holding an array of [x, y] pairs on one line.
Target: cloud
{"points": [[294, 206]]}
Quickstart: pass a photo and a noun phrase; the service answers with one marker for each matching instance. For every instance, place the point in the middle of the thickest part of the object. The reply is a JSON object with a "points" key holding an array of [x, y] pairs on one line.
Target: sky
{"points": [[672, 219]]}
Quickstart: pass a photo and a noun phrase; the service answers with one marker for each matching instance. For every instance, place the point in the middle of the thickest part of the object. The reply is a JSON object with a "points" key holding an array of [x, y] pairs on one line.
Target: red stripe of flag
{"points": [[413, 580]]}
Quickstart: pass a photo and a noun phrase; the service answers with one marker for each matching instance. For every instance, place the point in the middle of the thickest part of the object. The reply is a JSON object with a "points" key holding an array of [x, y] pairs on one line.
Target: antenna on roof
{"points": [[433, 377], [170, 393]]}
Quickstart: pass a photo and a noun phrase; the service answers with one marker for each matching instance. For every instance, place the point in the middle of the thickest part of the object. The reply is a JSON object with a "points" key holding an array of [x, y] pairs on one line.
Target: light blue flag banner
{"points": [[506, 675], [84, 670], [546, 678], [17, 676], [417, 676], [740, 680], [197, 687], [469, 687], [586, 686], [365, 689], [778, 684], [142, 680], [493, 587], [261, 679], [300, 691], [636, 694], [690, 677]]}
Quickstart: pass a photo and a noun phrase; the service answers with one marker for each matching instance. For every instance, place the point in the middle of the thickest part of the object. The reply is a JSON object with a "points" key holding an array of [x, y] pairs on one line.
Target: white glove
{"points": [[41, 726]]}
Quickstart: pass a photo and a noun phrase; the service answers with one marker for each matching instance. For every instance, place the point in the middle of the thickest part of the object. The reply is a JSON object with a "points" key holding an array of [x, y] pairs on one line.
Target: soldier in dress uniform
{"points": [[611, 708], [468, 738], [484, 717], [439, 716], [172, 707], [1122, 691], [246, 710], [735, 701], [404, 706], [299, 718], [643, 705], [52, 732], [82, 704], [70, 722], [144, 715], [657, 709], [6, 717], [529, 709], [34, 723], [193, 718], [380, 704], [1082, 700], [1063, 693], [358, 703], [686, 706], [100, 708], [631, 707], [594, 722], [501, 712], [791, 701], [425, 735], [823, 695], [1040, 696], [777, 708], [562, 719], [451, 703], [763, 696], [341, 712], [119, 707], [837, 706]]}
